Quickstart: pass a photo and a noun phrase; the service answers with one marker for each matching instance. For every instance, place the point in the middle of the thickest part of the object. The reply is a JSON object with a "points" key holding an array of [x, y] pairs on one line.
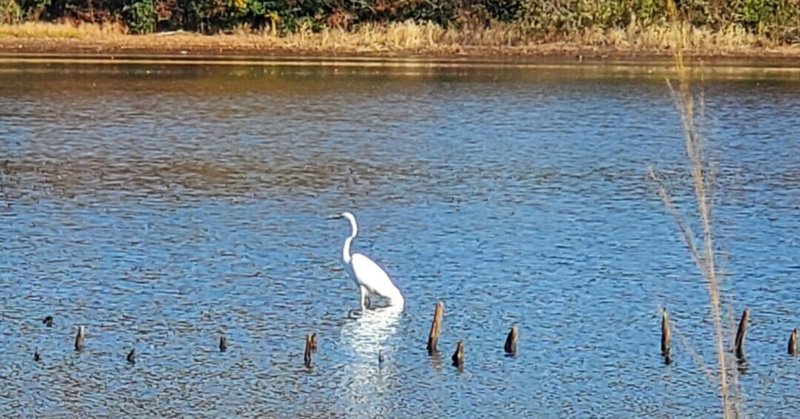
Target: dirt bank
{"points": [[186, 46]]}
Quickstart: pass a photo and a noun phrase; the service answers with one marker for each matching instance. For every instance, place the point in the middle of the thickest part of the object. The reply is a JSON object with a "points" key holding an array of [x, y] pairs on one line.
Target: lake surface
{"points": [[162, 206]]}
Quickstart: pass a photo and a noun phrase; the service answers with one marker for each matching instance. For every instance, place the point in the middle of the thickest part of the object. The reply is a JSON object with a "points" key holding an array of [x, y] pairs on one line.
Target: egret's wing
{"points": [[371, 275]]}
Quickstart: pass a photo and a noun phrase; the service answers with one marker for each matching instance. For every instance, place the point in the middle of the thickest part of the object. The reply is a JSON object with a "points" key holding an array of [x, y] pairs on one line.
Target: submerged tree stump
{"points": [[131, 356], [48, 321], [436, 327], [793, 343], [740, 334], [458, 355], [511, 341], [79, 338], [666, 337], [36, 356], [308, 350]]}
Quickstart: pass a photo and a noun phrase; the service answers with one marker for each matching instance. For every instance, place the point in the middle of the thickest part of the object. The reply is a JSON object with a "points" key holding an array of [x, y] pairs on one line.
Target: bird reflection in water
{"points": [[367, 333], [370, 372]]}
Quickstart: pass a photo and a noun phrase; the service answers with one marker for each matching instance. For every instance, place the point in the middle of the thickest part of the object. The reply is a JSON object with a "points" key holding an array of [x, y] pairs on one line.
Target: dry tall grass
{"points": [[43, 30], [405, 37], [730, 38], [703, 179]]}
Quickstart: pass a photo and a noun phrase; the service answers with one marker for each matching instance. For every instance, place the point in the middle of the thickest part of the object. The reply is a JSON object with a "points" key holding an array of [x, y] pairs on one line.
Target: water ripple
{"points": [[164, 207]]}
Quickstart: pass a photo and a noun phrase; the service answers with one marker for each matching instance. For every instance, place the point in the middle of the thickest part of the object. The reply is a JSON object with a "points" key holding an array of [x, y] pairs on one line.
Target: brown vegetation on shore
{"points": [[393, 39]]}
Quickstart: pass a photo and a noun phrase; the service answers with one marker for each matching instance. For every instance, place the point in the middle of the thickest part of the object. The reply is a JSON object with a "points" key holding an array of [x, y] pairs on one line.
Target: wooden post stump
{"points": [[458, 355], [666, 337], [80, 337], [740, 334], [313, 342], [511, 341], [793, 343], [308, 350], [436, 326]]}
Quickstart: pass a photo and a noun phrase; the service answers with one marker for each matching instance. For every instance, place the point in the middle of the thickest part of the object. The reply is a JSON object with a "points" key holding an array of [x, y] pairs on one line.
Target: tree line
{"points": [[776, 19]]}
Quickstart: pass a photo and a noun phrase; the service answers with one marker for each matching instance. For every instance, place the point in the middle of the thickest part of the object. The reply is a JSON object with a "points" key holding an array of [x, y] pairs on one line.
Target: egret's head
{"points": [[352, 218]]}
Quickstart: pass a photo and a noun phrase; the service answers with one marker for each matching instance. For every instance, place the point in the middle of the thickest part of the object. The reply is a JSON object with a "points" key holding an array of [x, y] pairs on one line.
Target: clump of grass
{"points": [[63, 30], [662, 37], [397, 36]]}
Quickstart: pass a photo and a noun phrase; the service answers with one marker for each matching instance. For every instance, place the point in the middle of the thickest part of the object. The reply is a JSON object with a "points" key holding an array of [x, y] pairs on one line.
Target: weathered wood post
{"points": [[436, 327], [131, 356], [511, 341], [79, 338], [308, 350], [313, 342], [666, 337], [458, 355], [36, 356], [48, 321], [223, 344], [793, 343], [741, 332]]}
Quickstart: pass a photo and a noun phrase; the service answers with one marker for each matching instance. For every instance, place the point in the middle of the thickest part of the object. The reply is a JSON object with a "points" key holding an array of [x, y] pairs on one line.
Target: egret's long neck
{"points": [[346, 248]]}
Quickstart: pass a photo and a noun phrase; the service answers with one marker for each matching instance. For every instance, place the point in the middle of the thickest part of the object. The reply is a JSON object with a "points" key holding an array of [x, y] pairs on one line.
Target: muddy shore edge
{"points": [[190, 49]]}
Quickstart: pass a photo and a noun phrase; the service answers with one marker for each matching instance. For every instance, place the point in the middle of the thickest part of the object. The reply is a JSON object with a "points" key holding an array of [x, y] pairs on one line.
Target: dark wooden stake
{"points": [[132, 356], [48, 321], [793, 342], [741, 332], [458, 355], [511, 341], [36, 356], [223, 344], [313, 342], [666, 337], [436, 327], [308, 350], [79, 338]]}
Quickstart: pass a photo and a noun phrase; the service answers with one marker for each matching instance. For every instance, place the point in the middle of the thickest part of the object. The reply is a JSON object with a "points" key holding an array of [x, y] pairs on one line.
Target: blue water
{"points": [[164, 206]]}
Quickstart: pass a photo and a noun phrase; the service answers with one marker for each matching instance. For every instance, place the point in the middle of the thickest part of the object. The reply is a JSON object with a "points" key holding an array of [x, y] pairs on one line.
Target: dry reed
{"points": [[44, 30], [410, 37], [680, 39]]}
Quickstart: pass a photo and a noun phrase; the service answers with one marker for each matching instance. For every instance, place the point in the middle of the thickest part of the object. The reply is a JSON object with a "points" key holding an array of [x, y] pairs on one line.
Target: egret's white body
{"points": [[369, 277]]}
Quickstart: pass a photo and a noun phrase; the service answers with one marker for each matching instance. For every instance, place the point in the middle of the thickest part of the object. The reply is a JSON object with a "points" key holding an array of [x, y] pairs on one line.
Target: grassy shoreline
{"points": [[403, 40]]}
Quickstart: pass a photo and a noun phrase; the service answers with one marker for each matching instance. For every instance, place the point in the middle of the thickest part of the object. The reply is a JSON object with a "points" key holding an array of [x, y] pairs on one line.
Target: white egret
{"points": [[369, 277]]}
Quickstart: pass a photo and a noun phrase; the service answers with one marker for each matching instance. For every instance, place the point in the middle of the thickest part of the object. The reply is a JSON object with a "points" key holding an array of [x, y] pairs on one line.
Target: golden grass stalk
{"points": [[705, 260]]}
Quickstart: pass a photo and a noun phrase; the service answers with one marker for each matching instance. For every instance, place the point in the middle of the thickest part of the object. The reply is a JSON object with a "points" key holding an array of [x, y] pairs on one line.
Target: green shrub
{"points": [[140, 16], [779, 19]]}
